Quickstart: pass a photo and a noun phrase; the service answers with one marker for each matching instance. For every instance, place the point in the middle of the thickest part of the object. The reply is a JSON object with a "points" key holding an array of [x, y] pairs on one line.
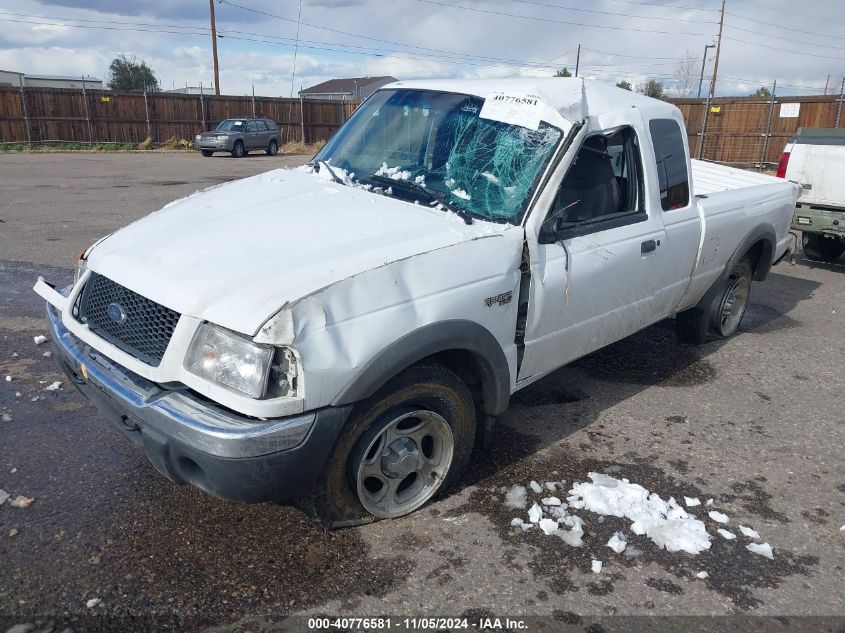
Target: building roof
{"points": [[569, 99], [335, 86], [61, 77]]}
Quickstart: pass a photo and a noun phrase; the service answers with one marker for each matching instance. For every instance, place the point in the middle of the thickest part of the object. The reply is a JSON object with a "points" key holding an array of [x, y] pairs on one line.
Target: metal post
{"points": [[87, 112], [703, 62], [701, 136], [147, 113], [253, 101], [25, 116], [768, 133], [578, 60], [301, 118], [841, 99], [202, 108]]}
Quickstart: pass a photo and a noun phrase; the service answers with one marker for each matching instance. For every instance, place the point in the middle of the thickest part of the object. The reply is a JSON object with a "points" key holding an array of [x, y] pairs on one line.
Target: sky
{"points": [[763, 40]]}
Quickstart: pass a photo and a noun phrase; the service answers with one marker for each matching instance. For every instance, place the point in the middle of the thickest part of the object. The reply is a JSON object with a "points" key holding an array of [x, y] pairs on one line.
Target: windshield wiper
{"points": [[434, 196], [317, 163]]}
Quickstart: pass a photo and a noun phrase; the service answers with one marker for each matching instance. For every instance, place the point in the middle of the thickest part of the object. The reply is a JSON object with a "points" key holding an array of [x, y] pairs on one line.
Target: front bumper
{"points": [[192, 441], [214, 145]]}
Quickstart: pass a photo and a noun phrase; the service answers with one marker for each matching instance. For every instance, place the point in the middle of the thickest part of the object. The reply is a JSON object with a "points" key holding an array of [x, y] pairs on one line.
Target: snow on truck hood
{"points": [[236, 253]]}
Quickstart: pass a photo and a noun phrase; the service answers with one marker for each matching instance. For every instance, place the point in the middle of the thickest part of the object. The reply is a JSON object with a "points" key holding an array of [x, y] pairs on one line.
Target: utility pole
{"points": [[578, 60], [214, 48], [703, 62], [826, 83], [718, 51]]}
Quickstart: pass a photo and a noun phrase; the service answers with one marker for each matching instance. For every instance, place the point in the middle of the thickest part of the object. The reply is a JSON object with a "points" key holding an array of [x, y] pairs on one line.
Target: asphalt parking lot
{"points": [[755, 423]]}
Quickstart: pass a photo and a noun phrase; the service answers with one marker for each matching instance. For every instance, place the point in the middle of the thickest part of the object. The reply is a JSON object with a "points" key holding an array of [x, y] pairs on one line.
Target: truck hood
{"points": [[236, 253]]}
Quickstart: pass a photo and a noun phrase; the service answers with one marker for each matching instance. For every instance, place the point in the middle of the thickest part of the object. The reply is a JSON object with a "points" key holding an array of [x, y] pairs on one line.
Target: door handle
{"points": [[649, 246]]}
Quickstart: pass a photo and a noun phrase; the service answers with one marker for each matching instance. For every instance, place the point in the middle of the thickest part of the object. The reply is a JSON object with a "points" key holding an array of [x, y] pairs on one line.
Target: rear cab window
{"points": [[672, 174]]}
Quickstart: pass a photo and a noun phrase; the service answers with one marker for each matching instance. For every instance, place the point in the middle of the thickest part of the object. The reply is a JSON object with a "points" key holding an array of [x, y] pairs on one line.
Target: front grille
{"points": [[133, 323]]}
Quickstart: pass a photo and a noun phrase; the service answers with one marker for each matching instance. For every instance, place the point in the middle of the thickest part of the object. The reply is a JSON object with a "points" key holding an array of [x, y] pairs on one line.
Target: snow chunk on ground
{"points": [[764, 549], [664, 522], [718, 517], [93, 602], [516, 521], [549, 526], [39, 339], [709, 502], [3, 496], [516, 497], [53, 386], [751, 532], [618, 542], [692, 501], [535, 514], [551, 486], [551, 501], [5, 417], [726, 535], [702, 575], [596, 566], [536, 487], [21, 502]]}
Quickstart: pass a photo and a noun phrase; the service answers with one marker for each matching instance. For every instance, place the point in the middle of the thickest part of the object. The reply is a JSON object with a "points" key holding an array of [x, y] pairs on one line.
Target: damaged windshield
{"points": [[480, 167]]}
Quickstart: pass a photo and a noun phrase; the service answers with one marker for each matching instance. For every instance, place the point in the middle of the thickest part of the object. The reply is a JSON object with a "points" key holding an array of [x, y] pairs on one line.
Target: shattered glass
{"points": [[486, 168]]}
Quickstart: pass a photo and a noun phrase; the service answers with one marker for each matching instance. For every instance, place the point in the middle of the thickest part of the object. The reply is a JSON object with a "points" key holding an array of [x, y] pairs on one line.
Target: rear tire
{"points": [[401, 447], [720, 313], [238, 150], [273, 148], [821, 249], [206, 152]]}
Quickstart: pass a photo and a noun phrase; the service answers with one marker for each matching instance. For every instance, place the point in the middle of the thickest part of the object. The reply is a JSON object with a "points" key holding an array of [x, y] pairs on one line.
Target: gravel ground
{"points": [[755, 423]]}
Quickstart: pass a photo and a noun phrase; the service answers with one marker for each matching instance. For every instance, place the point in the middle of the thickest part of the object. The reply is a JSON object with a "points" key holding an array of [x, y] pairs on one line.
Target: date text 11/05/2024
{"points": [[485, 623]]}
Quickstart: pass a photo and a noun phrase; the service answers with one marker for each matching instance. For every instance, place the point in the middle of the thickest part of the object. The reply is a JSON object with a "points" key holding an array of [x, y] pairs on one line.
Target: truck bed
{"points": [[708, 178]]}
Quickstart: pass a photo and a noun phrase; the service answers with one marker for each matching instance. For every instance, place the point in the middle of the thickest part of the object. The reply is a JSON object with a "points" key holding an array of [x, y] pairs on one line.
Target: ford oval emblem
{"points": [[116, 313]]}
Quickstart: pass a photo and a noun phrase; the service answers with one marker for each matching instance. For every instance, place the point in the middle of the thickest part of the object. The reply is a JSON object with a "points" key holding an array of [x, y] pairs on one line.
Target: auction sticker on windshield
{"points": [[516, 108]]}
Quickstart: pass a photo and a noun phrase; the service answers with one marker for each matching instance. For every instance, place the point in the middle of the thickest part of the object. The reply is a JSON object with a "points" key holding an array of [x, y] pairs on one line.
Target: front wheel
{"points": [[206, 152], [238, 150], [720, 314], [401, 447], [821, 249], [272, 148]]}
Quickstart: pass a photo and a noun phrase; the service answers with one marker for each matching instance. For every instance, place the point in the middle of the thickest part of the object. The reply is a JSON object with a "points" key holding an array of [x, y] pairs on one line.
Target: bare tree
{"points": [[686, 76]]}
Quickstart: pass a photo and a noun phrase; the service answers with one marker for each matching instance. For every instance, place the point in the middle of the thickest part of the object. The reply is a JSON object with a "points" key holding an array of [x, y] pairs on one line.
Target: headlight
{"points": [[229, 360], [198, 137], [222, 138]]}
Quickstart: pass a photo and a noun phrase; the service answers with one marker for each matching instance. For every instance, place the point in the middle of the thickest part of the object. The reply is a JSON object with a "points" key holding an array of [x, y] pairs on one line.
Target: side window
{"points": [[668, 140], [604, 181], [250, 126], [261, 126], [271, 125]]}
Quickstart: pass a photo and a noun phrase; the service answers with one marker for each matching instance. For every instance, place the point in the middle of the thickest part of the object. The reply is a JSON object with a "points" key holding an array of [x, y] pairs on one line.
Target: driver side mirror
{"points": [[550, 230]]}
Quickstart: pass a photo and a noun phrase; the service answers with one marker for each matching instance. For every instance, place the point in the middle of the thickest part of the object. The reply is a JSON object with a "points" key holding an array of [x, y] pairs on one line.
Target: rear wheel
{"points": [[273, 148], [238, 150], [720, 314], [821, 249], [401, 447], [206, 152]]}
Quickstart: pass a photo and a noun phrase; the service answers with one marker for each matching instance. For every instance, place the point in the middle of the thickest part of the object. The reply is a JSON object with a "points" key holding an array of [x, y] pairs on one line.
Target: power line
{"points": [[366, 37], [783, 50], [556, 21], [596, 11], [666, 6], [778, 37], [780, 10], [791, 29]]}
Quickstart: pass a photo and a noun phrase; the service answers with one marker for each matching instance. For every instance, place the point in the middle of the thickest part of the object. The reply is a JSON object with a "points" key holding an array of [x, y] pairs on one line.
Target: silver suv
{"points": [[240, 136]]}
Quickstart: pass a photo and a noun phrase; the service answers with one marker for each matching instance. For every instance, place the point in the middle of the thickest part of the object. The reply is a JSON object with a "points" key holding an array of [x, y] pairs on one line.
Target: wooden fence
{"points": [[742, 131], [749, 131], [49, 115]]}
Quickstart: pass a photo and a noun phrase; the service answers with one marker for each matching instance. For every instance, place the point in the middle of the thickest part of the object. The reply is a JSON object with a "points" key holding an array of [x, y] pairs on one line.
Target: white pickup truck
{"points": [[348, 331], [815, 158]]}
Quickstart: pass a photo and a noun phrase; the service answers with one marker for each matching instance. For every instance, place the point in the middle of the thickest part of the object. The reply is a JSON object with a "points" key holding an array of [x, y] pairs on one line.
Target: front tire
{"points": [[719, 316], [821, 249], [273, 148], [401, 447], [238, 150], [206, 152]]}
